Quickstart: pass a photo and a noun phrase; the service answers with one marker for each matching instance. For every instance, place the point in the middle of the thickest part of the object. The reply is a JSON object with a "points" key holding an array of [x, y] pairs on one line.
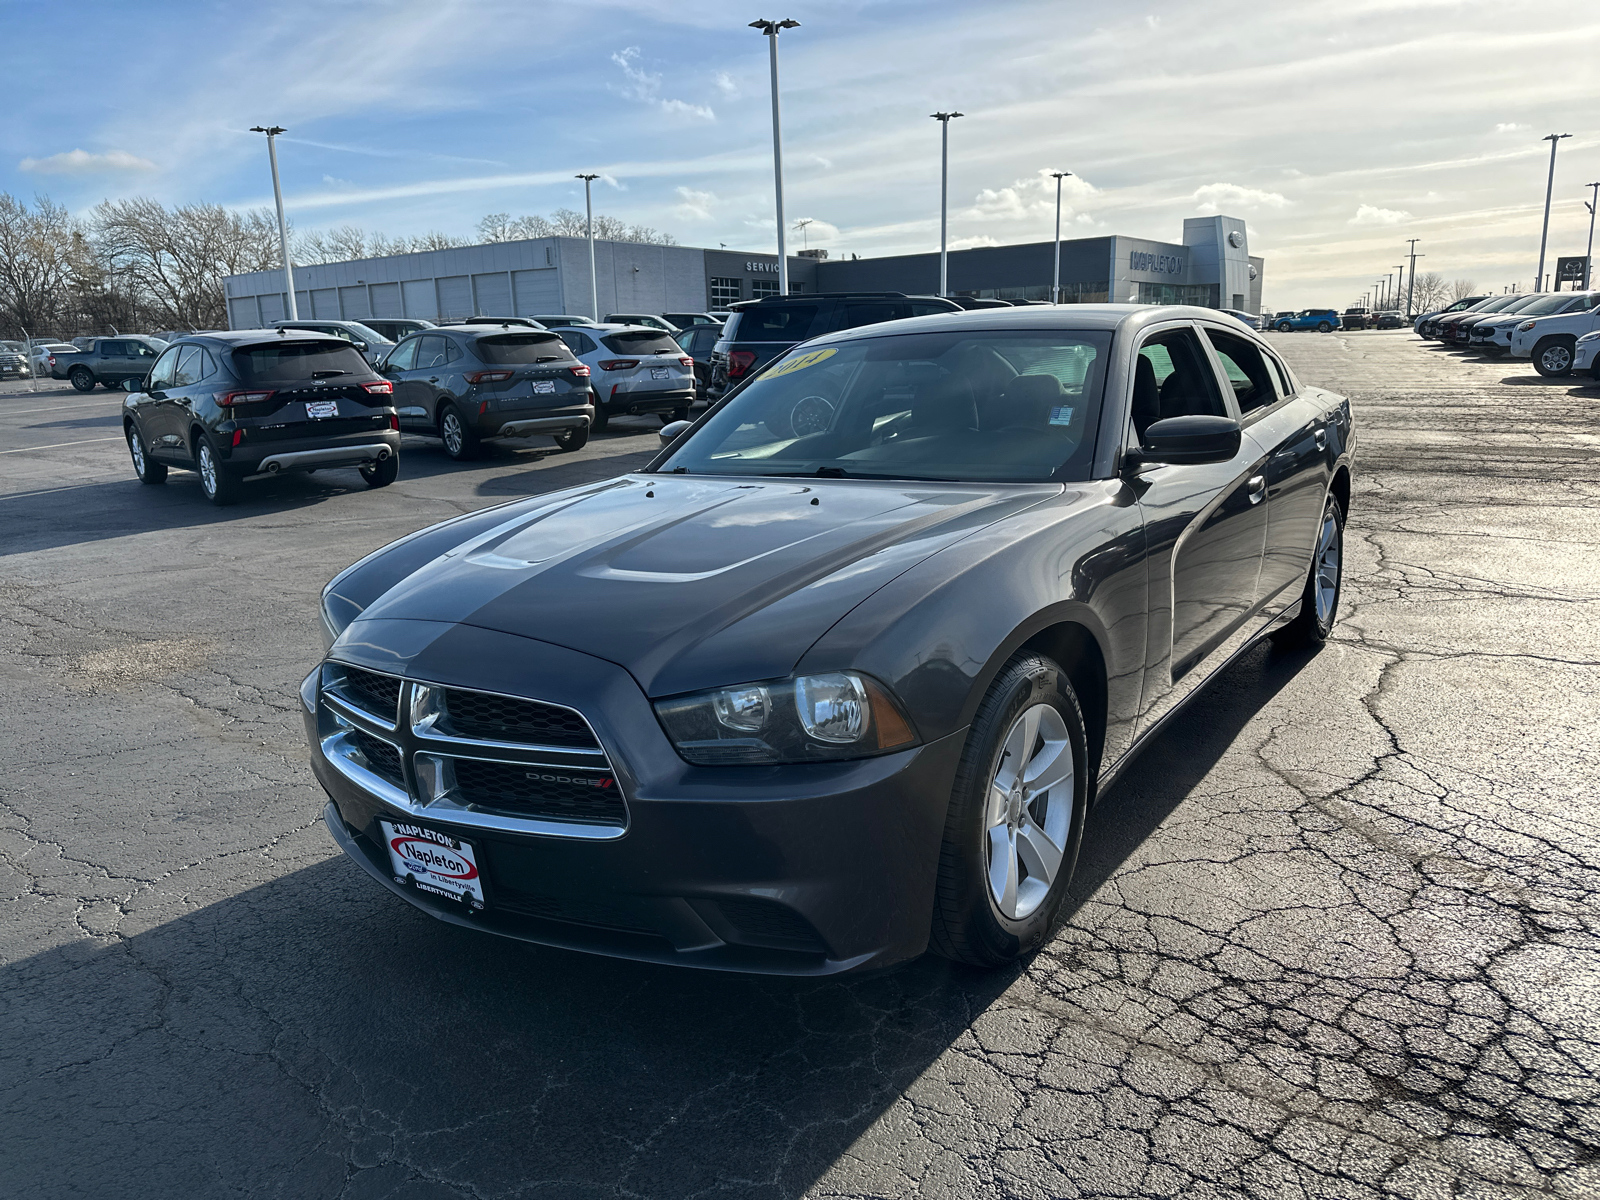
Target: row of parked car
{"points": [[1559, 332]]}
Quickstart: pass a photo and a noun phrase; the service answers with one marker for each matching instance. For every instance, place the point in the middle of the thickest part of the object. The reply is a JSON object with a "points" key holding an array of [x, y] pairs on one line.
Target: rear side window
{"points": [[431, 352], [790, 323], [285, 363], [1247, 372], [641, 342], [506, 349], [853, 316], [580, 343], [113, 350]]}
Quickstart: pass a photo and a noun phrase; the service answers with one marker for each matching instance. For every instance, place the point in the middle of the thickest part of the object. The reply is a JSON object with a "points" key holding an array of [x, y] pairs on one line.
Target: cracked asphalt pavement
{"points": [[1334, 934]]}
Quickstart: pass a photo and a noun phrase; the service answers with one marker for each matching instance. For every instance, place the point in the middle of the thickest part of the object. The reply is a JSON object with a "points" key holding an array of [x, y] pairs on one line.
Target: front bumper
{"points": [[805, 870], [1586, 357]]}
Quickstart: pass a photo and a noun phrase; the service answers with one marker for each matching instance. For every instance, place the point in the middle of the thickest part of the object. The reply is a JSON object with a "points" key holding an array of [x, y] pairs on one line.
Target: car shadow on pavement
{"points": [[314, 1036]]}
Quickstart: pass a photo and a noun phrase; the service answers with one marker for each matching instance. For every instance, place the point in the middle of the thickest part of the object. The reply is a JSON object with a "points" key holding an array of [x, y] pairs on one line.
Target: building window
{"points": [[725, 291], [1202, 294], [763, 287]]}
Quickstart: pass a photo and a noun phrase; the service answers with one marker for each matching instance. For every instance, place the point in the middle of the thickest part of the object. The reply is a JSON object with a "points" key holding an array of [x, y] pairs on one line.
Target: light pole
{"points": [[283, 226], [588, 229], [1055, 279], [1554, 139], [771, 29], [1591, 204], [1412, 292], [1399, 283], [944, 119]]}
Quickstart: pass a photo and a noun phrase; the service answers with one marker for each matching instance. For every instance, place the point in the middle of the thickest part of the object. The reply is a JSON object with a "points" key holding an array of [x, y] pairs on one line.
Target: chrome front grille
{"points": [[472, 758]]}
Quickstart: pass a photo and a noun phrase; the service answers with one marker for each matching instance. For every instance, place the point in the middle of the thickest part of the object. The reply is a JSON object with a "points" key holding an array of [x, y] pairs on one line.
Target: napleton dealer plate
{"points": [[433, 862]]}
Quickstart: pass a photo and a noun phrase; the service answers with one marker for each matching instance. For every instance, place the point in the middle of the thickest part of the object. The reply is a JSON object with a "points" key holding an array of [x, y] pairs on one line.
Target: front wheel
{"points": [[1552, 357], [82, 379], [1319, 601], [1284, 327], [572, 439], [1016, 817], [147, 469], [218, 486], [382, 474]]}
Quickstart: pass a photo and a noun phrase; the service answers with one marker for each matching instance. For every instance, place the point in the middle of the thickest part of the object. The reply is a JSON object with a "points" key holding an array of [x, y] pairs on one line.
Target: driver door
{"points": [[152, 409], [1205, 525]]}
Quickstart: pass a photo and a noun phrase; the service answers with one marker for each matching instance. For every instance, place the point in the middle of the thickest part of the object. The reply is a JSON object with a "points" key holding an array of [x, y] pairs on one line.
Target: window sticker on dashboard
{"points": [[1060, 415], [801, 361]]}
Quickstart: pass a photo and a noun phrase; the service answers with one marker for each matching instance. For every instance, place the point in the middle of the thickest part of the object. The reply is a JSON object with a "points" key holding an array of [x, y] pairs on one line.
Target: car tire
{"points": [[145, 467], [216, 485], [82, 379], [1552, 357], [1319, 600], [381, 474], [1324, 327], [1284, 327], [460, 440], [572, 439], [1007, 857], [602, 418], [677, 414]]}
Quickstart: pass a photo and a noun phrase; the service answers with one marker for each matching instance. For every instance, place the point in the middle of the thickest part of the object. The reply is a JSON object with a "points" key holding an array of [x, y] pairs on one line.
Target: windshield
{"points": [[1545, 305], [507, 349], [285, 363], [1007, 406], [641, 341]]}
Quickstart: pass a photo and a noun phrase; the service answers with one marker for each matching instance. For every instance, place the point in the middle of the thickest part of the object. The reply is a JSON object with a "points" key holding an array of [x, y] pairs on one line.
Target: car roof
{"points": [[479, 327], [1054, 316], [240, 337]]}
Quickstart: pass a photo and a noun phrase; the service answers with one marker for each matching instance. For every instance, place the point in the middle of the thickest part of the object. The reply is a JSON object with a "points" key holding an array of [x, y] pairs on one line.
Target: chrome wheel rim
{"points": [[1329, 558], [1028, 812], [1557, 359], [452, 433], [136, 448], [208, 471]]}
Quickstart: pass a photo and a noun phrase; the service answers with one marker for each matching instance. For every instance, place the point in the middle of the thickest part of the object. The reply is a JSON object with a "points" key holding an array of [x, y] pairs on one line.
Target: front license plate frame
{"points": [[321, 410], [434, 862]]}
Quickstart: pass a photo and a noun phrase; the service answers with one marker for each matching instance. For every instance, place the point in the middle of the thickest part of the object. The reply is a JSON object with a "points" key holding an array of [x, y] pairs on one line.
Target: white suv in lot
{"points": [[1586, 355], [1550, 341]]}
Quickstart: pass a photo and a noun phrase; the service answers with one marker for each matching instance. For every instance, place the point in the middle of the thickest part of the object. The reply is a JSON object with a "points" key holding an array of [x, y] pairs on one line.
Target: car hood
{"points": [[692, 582]]}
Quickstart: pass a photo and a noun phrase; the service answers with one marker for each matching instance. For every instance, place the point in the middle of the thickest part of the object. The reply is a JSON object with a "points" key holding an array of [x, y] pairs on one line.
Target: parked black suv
{"points": [[761, 330], [464, 383], [254, 403]]}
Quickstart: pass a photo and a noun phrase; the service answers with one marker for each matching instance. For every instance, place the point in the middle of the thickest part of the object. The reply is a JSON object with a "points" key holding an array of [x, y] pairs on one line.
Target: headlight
{"points": [[1524, 327], [811, 718], [1591, 337]]}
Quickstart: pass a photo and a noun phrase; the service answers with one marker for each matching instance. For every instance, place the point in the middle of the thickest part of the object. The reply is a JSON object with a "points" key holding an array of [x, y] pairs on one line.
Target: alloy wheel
{"points": [[1028, 813], [208, 470], [1556, 359], [136, 448], [452, 433], [1330, 554]]}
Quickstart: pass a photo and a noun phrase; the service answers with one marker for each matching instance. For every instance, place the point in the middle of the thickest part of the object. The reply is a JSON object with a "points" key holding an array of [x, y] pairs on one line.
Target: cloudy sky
{"points": [[1337, 130]]}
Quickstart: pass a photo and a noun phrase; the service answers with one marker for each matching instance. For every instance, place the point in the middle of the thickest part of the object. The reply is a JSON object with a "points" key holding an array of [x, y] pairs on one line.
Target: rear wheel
{"points": [[1552, 357], [82, 379], [460, 442], [1324, 327], [1319, 601], [677, 414], [573, 439], [219, 487], [382, 474], [146, 468], [601, 417], [1016, 817]]}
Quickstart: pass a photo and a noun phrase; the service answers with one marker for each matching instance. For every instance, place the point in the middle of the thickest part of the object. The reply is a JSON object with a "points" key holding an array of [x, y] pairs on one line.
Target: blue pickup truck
{"points": [[1323, 320]]}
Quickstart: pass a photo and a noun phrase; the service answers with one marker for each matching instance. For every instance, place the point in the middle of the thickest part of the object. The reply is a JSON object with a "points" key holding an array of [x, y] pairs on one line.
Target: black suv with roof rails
{"points": [[465, 383], [254, 403], [761, 330]]}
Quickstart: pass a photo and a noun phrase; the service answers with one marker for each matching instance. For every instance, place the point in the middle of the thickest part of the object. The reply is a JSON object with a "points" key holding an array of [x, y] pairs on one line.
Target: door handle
{"points": [[1257, 487], [433, 379], [1322, 439]]}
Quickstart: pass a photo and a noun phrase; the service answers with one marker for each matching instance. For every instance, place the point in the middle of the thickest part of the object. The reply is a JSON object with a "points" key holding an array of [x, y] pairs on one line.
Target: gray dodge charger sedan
{"points": [[836, 678]]}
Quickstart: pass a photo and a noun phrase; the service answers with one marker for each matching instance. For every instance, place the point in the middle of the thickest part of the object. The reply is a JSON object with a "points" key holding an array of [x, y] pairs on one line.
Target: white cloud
{"points": [[1509, 127], [968, 243], [694, 205], [646, 86], [725, 83], [81, 162], [1029, 198], [1367, 214], [1214, 197]]}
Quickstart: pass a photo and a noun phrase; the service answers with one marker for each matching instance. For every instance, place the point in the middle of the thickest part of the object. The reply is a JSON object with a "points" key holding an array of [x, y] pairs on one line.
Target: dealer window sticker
{"points": [[801, 361], [1061, 414]]}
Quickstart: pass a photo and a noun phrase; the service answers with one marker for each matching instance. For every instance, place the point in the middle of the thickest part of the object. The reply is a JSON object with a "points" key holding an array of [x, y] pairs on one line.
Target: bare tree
{"points": [[1462, 288], [177, 258], [35, 270], [1431, 291]]}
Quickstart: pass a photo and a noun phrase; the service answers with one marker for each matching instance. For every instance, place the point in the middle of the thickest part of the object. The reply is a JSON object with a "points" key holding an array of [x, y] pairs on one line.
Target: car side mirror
{"points": [[361, 346], [671, 433], [1186, 440]]}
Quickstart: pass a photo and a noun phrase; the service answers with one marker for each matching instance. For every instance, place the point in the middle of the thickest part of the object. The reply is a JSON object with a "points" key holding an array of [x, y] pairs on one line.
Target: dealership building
{"points": [[1211, 267]]}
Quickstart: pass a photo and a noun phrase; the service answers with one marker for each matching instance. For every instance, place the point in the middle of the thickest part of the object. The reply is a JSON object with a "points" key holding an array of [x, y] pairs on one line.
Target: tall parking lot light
{"points": [[283, 226], [1544, 234], [588, 228], [1412, 292], [771, 29], [1591, 204], [944, 119], [1399, 284], [1055, 279]]}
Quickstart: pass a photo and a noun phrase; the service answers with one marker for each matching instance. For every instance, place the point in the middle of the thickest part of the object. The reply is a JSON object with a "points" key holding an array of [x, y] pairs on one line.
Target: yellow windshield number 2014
{"points": [[801, 361]]}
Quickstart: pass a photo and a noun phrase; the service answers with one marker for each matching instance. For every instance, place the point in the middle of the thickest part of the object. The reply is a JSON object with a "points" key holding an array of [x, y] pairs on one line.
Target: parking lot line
{"points": [[59, 445], [9, 412]]}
